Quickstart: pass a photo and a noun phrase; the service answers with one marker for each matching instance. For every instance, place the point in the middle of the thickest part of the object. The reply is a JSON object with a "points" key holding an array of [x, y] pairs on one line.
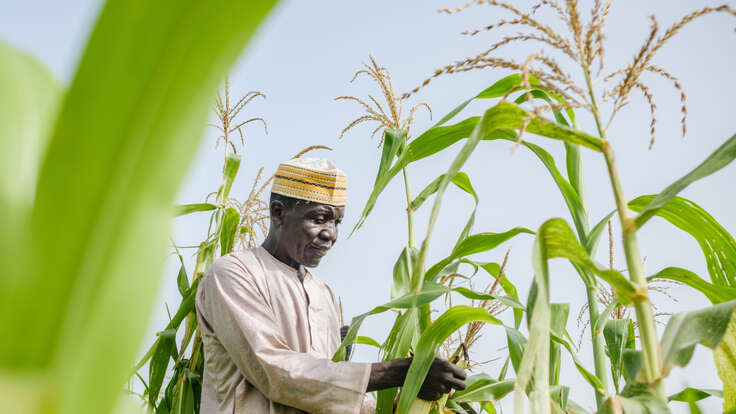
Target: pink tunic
{"points": [[269, 339]]}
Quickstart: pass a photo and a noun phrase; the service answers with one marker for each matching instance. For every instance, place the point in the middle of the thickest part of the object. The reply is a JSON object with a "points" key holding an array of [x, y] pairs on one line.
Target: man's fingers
{"points": [[456, 383], [458, 372]]}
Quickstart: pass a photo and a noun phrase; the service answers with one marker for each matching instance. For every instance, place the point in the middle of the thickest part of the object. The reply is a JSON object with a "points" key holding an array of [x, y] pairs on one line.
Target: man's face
{"points": [[308, 231]]}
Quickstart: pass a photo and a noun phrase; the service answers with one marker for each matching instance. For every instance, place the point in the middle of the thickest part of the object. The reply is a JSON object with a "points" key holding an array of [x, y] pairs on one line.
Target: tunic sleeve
{"points": [[235, 308]]}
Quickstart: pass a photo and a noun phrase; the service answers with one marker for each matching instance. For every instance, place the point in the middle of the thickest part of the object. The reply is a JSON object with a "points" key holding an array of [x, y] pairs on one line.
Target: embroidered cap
{"points": [[311, 179]]}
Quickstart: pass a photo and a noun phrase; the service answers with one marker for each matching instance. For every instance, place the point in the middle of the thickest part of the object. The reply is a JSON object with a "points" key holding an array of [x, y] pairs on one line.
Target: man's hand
{"points": [[441, 378]]}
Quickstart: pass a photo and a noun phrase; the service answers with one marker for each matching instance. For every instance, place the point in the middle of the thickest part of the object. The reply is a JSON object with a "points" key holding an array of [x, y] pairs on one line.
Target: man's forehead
{"points": [[317, 207]]}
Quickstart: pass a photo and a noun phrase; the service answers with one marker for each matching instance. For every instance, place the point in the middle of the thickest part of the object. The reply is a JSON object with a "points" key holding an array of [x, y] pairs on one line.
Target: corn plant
{"points": [[89, 173], [643, 367]]}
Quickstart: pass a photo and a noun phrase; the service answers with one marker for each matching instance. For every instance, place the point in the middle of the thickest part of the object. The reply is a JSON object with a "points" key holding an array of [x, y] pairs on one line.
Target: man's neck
{"points": [[271, 247]]}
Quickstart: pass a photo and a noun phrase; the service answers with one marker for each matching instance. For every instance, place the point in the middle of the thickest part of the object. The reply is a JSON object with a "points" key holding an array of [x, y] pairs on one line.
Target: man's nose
{"points": [[328, 232]]}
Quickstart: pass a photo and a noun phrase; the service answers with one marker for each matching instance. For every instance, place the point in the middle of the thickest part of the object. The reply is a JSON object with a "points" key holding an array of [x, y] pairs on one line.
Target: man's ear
{"points": [[278, 211]]}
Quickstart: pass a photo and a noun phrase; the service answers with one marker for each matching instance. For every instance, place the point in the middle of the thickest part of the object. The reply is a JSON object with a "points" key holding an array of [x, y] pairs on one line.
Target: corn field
{"points": [[104, 199]]}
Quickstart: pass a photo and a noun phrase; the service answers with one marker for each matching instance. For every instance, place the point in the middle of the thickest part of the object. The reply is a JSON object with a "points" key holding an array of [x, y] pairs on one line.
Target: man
{"points": [[270, 327]]}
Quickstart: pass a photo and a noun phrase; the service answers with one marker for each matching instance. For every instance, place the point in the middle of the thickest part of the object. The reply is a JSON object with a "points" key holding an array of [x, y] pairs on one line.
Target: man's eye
{"points": [[319, 219]]}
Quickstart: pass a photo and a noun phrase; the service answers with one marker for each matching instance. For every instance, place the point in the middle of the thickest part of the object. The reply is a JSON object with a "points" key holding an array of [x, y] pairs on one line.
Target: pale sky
{"points": [[305, 55]]}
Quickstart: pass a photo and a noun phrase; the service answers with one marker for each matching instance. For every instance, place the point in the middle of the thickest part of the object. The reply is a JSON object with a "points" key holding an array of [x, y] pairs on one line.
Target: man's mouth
{"points": [[319, 251]]}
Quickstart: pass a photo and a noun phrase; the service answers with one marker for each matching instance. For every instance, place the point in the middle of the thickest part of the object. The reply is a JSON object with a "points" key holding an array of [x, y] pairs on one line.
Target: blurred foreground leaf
{"points": [[125, 134]]}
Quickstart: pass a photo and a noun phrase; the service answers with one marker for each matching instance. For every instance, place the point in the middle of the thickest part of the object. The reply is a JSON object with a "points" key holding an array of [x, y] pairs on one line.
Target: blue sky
{"points": [[305, 55]]}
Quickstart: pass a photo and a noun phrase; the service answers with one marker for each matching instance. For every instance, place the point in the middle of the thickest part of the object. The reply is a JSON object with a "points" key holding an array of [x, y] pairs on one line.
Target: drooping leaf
{"points": [[685, 330], [561, 242], [716, 294], [721, 157], [429, 342], [229, 229], [183, 209], [718, 246], [367, 340]]}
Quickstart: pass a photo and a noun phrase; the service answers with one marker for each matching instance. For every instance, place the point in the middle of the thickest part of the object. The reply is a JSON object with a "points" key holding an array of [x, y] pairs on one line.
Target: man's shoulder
{"points": [[239, 264]]}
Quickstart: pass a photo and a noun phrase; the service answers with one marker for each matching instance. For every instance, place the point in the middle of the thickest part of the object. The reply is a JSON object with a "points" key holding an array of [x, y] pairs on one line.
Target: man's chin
{"points": [[311, 263]]}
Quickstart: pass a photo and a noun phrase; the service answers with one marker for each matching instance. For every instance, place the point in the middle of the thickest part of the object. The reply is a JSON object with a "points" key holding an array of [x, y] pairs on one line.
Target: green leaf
{"points": [[367, 340], [595, 233], [574, 167], [716, 294], [400, 339], [695, 394], [506, 285], [429, 342], [534, 364], [718, 246], [588, 376], [127, 130], [392, 142], [28, 107], [616, 333], [476, 243], [229, 171], [429, 292], [501, 121], [164, 347], [561, 242], [229, 228], [569, 194], [717, 160], [182, 282], [516, 344], [641, 403], [685, 330], [402, 272], [184, 209], [500, 88], [632, 363], [725, 359], [462, 181], [481, 387]]}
